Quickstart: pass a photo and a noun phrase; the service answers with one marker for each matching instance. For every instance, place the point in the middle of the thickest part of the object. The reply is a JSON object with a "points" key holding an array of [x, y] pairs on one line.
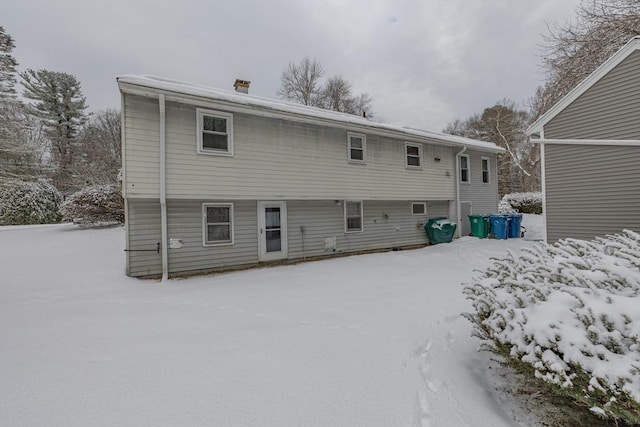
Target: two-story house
{"points": [[216, 179]]}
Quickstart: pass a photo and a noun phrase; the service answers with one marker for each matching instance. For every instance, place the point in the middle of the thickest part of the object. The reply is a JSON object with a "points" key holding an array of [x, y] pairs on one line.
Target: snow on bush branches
{"points": [[521, 202], [28, 202], [97, 205], [570, 314]]}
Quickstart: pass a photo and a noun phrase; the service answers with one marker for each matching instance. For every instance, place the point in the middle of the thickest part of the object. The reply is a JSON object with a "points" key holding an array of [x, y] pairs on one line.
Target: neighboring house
{"points": [[590, 151], [216, 179]]}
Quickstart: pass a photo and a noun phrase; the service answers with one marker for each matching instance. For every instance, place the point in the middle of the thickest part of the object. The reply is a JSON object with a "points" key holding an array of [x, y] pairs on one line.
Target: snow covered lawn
{"points": [[371, 340]]}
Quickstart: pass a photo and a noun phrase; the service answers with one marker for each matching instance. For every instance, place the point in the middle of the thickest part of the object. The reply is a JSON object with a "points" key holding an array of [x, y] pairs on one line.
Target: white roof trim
{"points": [[151, 85], [631, 46], [628, 142]]}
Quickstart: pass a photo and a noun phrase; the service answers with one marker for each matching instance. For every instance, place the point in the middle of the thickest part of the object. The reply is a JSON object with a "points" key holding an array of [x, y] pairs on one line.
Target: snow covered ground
{"points": [[371, 340]]}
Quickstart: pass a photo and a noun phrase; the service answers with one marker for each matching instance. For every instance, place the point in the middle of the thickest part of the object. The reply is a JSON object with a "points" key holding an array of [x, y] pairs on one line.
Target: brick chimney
{"points": [[242, 86]]}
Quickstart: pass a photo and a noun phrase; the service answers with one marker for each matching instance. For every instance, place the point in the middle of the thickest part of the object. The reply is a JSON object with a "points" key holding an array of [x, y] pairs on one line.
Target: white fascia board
{"points": [[297, 114], [631, 46], [620, 142]]}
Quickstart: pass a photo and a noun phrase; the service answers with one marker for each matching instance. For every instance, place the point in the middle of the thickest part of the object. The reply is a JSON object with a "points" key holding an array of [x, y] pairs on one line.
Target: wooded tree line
{"points": [[569, 53], [52, 136]]}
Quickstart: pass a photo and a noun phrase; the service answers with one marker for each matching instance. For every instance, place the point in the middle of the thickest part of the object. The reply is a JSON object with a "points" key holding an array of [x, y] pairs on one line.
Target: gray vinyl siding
{"points": [[483, 197], [274, 159], [142, 146], [386, 224], [143, 233], [610, 109], [591, 190], [184, 222]]}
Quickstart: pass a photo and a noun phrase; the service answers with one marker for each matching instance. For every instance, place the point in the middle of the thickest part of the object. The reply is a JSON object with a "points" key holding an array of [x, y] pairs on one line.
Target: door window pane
{"points": [[272, 217], [273, 240]]}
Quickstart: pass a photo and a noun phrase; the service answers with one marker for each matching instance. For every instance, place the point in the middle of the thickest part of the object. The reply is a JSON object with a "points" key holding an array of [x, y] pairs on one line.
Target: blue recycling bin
{"points": [[499, 226], [515, 220]]}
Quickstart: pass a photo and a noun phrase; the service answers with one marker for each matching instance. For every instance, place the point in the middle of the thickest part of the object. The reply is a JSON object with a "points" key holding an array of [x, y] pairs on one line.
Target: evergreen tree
{"points": [[60, 104], [17, 159], [8, 66]]}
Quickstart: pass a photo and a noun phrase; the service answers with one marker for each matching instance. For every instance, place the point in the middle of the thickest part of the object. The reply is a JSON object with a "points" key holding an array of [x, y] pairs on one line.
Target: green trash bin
{"points": [[440, 230], [480, 225]]}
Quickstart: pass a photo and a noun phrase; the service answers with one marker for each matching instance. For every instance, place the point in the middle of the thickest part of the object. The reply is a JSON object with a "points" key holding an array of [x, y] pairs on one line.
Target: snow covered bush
{"points": [[521, 202], [28, 202], [569, 314], [95, 206]]}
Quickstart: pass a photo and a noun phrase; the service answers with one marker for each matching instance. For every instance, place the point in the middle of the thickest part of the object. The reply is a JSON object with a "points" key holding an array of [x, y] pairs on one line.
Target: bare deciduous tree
{"points": [[504, 124], [572, 51], [99, 145], [301, 82]]}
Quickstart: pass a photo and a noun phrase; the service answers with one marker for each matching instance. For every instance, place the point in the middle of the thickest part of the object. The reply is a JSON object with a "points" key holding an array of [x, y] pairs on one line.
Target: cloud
{"points": [[424, 63]]}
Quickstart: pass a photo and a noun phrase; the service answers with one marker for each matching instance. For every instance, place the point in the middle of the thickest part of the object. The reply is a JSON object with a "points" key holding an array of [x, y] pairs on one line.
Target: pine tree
{"points": [[17, 159], [61, 106], [8, 66]]}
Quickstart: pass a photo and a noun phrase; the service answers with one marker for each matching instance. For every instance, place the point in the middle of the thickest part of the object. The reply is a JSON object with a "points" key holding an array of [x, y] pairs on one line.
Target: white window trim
{"points": [[406, 163], [204, 224], [361, 216], [488, 170], [423, 204], [468, 181], [199, 129], [364, 148]]}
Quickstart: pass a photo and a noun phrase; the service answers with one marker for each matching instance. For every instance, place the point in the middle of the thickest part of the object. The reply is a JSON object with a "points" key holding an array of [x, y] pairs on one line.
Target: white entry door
{"points": [[272, 230]]}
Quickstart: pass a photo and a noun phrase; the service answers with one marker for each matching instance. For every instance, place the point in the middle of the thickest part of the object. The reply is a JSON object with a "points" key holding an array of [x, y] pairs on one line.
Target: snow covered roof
{"points": [[162, 84], [631, 46]]}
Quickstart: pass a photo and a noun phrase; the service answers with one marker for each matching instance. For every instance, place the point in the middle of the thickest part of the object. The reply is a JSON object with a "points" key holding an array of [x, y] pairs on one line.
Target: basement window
{"points": [[217, 224], [215, 132], [352, 216], [418, 208]]}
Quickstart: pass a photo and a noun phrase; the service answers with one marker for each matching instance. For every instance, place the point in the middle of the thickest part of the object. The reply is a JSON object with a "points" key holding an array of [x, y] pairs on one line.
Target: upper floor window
{"points": [[464, 168], [215, 132], [413, 155], [357, 147], [352, 216], [217, 224], [485, 170]]}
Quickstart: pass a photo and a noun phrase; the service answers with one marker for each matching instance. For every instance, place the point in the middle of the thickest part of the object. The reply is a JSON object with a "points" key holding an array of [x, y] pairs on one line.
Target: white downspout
{"points": [[457, 178], [544, 188], [163, 189]]}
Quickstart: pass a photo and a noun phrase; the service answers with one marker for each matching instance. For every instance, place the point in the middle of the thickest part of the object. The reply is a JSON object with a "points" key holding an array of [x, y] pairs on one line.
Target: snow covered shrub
{"points": [[95, 206], [28, 202], [569, 314], [521, 202]]}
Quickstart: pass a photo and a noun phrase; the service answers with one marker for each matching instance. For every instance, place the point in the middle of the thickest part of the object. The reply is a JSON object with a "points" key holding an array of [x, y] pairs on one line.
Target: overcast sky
{"points": [[423, 62]]}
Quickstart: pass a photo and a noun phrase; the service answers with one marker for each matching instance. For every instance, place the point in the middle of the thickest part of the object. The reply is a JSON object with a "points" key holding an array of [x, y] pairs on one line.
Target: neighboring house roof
{"points": [[291, 109], [631, 46]]}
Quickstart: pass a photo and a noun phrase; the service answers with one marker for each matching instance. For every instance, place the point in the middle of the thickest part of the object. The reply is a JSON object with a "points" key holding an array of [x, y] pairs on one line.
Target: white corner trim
{"points": [[544, 193], [631, 46], [163, 188]]}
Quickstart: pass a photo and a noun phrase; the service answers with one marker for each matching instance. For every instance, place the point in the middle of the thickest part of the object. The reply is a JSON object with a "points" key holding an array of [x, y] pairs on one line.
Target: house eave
{"points": [[127, 84], [631, 46]]}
